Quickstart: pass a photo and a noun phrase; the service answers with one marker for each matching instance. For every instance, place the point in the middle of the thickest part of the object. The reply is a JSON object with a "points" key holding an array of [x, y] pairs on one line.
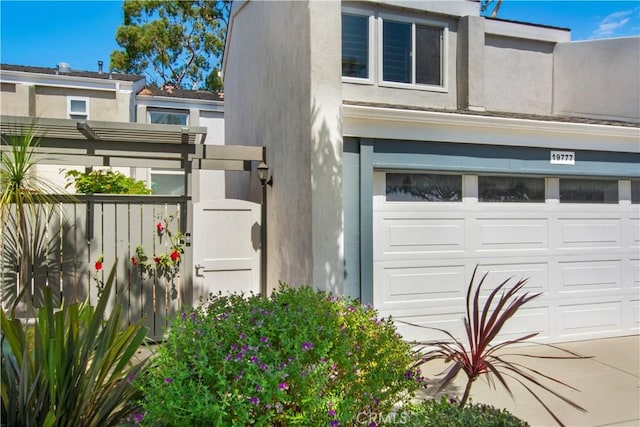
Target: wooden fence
{"points": [[115, 230]]}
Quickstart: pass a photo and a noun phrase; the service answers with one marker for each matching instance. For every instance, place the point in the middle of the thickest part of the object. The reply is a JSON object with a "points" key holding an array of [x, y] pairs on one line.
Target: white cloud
{"points": [[612, 23]]}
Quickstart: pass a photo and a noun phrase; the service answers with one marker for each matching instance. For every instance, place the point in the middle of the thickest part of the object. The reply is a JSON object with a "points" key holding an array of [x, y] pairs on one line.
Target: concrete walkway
{"points": [[609, 385]]}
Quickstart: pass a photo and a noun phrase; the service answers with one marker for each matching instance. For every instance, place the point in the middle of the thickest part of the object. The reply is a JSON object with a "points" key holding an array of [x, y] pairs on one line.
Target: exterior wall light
{"points": [[263, 173]]}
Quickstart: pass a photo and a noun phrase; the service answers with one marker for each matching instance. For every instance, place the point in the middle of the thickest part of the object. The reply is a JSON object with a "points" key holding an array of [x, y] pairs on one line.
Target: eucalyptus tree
{"points": [[177, 43]]}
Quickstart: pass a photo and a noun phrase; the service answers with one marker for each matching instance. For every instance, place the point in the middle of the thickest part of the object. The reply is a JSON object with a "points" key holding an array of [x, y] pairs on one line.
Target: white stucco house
{"points": [[409, 141], [64, 93]]}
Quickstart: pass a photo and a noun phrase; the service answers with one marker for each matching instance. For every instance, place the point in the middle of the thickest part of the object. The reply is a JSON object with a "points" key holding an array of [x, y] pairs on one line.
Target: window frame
{"points": [[370, 44], [169, 111], [78, 115], [420, 172], [590, 202], [444, 53], [545, 189]]}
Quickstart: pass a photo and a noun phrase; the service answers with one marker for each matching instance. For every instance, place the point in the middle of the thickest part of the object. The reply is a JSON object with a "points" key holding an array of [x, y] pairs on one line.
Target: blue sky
{"points": [[44, 33]]}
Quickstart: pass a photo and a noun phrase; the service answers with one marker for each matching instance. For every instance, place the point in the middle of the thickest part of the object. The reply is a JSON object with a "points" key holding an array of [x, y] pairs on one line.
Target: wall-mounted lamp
{"points": [[263, 173]]}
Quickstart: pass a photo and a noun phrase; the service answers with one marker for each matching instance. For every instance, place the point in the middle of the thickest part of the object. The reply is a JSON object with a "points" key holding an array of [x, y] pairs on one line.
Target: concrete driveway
{"points": [[609, 385]]}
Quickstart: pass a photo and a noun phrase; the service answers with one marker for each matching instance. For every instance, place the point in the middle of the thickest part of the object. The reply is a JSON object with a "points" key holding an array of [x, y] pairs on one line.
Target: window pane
{"points": [[635, 191], [78, 106], [168, 118], [510, 189], [428, 52], [588, 190], [411, 187], [396, 52], [355, 46], [167, 184]]}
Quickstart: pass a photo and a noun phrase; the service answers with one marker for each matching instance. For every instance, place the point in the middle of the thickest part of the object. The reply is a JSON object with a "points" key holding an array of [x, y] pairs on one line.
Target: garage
{"points": [[575, 237]]}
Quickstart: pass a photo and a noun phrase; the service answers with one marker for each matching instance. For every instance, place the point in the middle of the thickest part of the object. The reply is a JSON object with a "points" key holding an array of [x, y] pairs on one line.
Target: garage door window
{"points": [[510, 189], [588, 190], [635, 191], [412, 187]]}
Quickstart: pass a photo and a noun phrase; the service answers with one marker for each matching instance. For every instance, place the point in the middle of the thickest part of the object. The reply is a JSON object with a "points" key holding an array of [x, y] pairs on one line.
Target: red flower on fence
{"points": [[98, 264], [134, 261], [156, 259], [175, 255], [160, 228]]}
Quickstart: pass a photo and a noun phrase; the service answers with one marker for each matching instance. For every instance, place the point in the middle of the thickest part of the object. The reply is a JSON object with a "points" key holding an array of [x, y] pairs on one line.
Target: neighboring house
{"points": [[63, 93], [410, 141]]}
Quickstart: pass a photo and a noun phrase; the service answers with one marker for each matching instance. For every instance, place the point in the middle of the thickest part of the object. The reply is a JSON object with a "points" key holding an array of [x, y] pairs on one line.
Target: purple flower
{"points": [[139, 416], [264, 366], [373, 424], [254, 400], [263, 339], [307, 345], [243, 336], [184, 316], [258, 388], [254, 359], [334, 423], [331, 413], [351, 309], [283, 386], [168, 380], [452, 400]]}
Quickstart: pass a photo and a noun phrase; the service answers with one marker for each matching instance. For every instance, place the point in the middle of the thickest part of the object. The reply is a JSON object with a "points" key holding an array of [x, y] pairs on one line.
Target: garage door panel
{"points": [[635, 274], [512, 234], [419, 235], [420, 286], [634, 309], [527, 320], [448, 321], [536, 274], [635, 232], [589, 233], [590, 276], [590, 319]]}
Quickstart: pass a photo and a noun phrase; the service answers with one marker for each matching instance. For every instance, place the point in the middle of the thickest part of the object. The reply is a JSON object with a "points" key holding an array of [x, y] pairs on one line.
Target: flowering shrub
{"points": [[165, 264], [297, 357]]}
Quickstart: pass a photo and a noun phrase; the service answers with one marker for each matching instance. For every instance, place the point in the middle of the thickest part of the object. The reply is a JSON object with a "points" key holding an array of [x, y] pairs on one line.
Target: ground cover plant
{"points": [[73, 368], [298, 357], [446, 412], [481, 355]]}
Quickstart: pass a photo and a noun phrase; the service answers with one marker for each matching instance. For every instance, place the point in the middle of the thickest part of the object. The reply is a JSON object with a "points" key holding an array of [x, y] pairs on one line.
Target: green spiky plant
{"points": [[25, 207], [74, 368], [481, 356]]}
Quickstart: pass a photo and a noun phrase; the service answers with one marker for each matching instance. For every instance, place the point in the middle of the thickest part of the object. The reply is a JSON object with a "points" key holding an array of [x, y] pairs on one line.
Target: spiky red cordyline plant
{"points": [[482, 326]]}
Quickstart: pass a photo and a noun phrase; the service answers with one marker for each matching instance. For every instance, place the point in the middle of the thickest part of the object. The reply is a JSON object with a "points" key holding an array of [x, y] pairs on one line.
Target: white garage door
{"points": [[577, 240]]}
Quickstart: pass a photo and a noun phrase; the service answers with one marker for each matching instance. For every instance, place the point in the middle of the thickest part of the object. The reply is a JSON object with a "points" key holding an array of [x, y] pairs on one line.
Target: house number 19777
{"points": [[563, 158]]}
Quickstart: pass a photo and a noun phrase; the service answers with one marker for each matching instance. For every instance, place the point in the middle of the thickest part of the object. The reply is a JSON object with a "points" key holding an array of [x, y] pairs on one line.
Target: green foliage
{"points": [[172, 42], [105, 182], [481, 356], [77, 368], [446, 413], [299, 357]]}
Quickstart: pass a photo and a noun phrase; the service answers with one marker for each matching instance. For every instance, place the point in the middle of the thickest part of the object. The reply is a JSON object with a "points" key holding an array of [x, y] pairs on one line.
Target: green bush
{"points": [[447, 413], [105, 182], [299, 357], [73, 368]]}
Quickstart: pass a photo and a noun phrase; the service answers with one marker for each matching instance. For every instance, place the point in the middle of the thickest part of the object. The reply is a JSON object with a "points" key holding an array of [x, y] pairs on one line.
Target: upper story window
{"points": [[168, 117], [413, 53], [355, 46], [78, 108]]}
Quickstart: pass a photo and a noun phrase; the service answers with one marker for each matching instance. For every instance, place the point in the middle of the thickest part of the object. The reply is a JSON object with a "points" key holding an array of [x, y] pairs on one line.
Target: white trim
{"points": [[392, 123], [370, 44], [444, 54], [71, 82], [526, 31], [76, 114], [152, 101]]}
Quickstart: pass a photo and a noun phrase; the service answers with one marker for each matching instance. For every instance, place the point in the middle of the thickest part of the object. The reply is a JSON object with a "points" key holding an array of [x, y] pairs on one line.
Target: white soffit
{"points": [[392, 123]]}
